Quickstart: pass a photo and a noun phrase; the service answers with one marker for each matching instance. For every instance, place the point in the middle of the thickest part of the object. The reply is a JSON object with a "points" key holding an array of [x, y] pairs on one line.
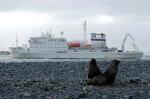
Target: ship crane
{"points": [[124, 41]]}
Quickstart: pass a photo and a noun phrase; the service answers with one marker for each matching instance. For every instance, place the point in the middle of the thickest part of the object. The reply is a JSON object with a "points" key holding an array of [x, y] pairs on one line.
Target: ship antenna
{"points": [[42, 34], [62, 33], [47, 33], [16, 40], [50, 30], [84, 30]]}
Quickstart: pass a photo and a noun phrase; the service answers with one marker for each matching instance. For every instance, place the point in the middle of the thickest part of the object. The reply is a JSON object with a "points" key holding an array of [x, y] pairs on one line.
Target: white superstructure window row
{"points": [[48, 43]]}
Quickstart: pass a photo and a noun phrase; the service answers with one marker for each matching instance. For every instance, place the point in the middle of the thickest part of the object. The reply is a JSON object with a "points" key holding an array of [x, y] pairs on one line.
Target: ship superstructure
{"points": [[47, 43]]}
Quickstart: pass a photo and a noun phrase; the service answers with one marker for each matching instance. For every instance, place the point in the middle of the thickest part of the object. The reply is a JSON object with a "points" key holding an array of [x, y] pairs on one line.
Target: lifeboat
{"points": [[74, 44]]}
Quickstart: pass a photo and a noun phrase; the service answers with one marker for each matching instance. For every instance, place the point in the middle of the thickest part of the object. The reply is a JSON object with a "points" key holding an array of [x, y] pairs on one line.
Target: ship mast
{"points": [[62, 33], [84, 30], [49, 33], [16, 40], [50, 30]]}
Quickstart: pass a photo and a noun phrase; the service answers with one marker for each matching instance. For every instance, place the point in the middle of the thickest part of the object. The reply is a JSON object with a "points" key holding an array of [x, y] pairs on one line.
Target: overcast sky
{"points": [[27, 18]]}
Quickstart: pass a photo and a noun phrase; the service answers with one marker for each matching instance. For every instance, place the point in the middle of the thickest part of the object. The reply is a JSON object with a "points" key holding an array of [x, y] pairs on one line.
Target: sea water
{"points": [[8, 58]]}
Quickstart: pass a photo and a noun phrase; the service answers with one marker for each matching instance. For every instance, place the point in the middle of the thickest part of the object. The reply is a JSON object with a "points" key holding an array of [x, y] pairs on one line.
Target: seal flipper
{"points": [[93, 69], [111, 72]]}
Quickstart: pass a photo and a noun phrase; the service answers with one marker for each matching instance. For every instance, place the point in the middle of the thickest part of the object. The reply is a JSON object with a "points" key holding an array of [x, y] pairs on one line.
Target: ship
{"points": [[47, 46], [4, 53]]}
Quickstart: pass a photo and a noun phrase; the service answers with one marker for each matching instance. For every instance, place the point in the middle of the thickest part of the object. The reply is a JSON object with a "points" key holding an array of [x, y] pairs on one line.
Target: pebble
{"points": [[26, 94], [54, 80]]}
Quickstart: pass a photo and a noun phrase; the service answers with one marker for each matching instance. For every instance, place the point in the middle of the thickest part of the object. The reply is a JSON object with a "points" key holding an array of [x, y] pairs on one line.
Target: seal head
{"points": [[93, 69]]}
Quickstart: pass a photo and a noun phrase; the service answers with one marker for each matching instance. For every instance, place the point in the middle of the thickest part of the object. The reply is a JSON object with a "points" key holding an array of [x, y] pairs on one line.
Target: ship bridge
{"points": [[98, 40]]}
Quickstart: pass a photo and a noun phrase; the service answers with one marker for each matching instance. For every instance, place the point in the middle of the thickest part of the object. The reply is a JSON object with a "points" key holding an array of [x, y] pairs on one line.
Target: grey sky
{"points": [[112, 17]]}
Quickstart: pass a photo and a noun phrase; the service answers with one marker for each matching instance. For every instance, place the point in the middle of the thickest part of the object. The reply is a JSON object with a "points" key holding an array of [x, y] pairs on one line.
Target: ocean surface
{"points": [[8, 58]]}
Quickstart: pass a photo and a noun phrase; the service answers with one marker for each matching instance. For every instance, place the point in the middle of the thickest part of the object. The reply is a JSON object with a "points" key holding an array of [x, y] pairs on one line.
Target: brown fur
{"points": [[111, 72], [97, 78], [93, 69]]}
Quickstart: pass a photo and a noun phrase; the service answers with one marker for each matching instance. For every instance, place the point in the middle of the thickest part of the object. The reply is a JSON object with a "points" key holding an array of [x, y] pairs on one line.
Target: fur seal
{"points": [[106, 78], [111, 72], [97, 80], [93, 69]]}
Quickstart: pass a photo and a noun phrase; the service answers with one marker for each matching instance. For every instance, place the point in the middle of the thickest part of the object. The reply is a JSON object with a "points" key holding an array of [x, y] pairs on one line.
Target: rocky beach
{"points": [[68, 80]]}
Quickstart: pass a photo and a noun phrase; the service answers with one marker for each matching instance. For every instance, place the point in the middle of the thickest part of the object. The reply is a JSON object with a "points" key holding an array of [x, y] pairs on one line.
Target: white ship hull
{"points": [[25, 54]]}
